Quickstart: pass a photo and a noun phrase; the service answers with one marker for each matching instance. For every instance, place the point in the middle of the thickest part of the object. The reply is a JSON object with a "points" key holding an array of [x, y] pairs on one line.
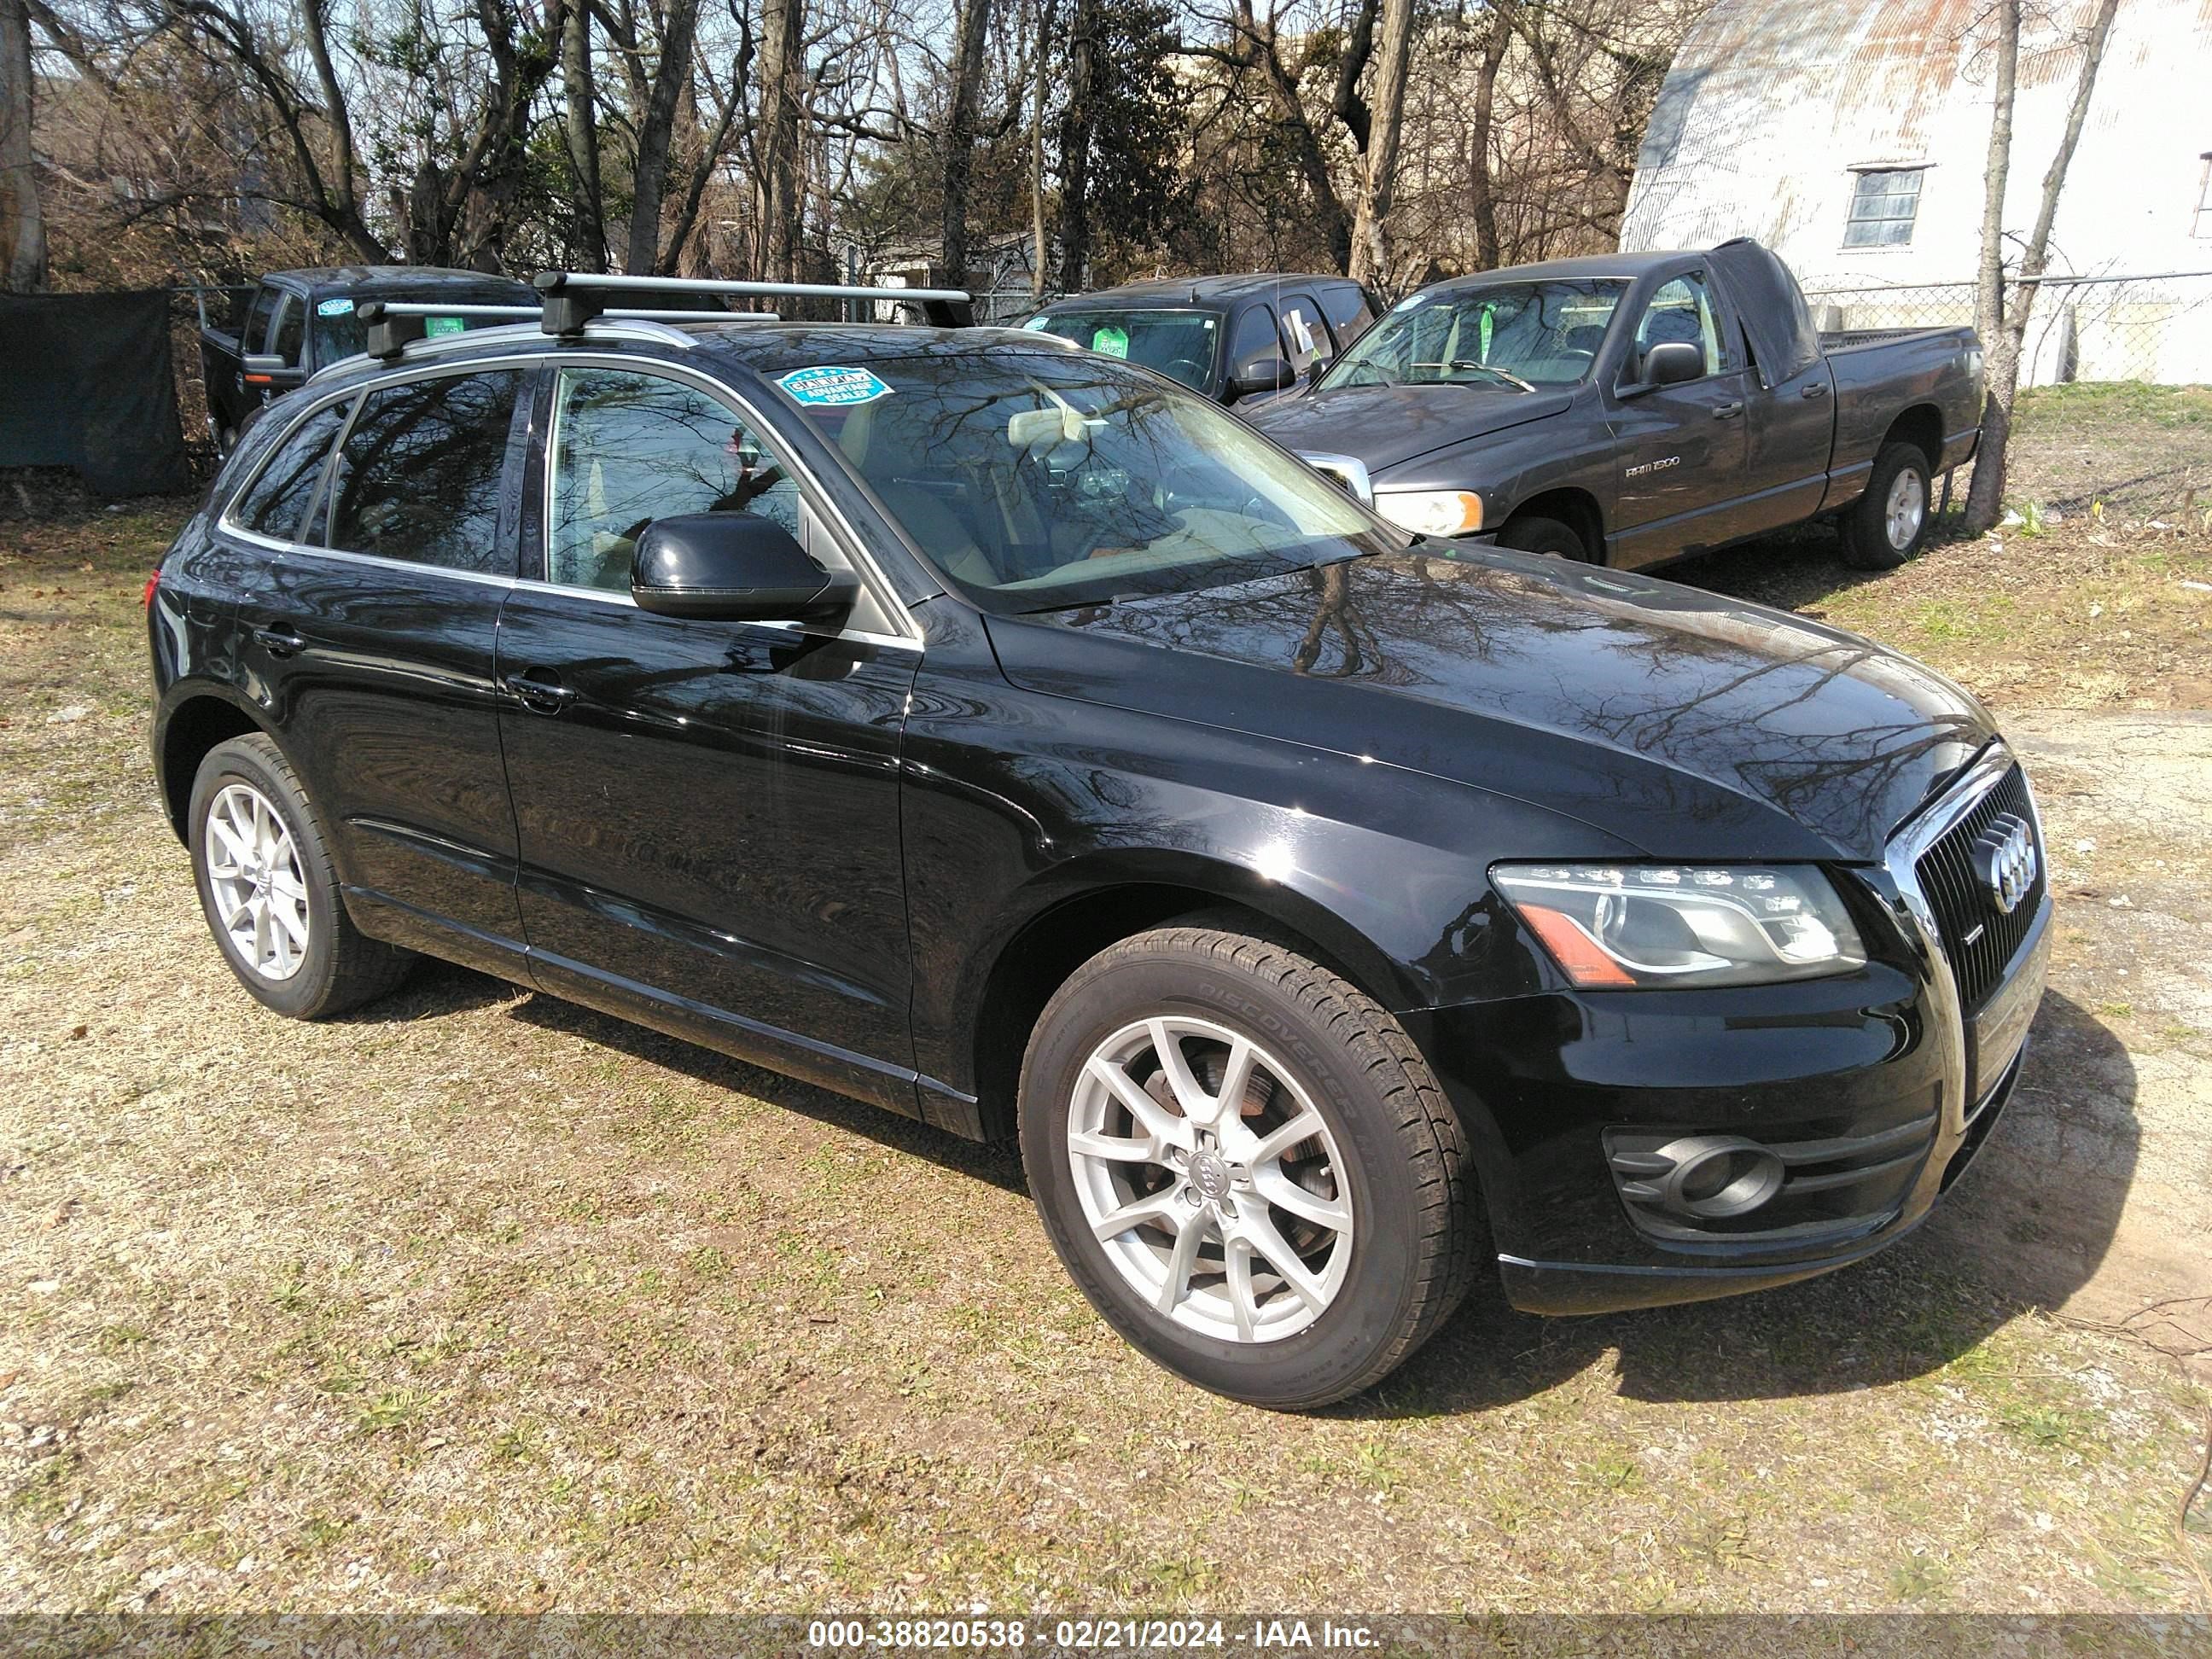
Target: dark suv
{"points": [[1240, 340], [1007, 736]]}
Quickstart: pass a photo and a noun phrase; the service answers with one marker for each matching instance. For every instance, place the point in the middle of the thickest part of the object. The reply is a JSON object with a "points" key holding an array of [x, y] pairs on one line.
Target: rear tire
{"points": [[269, 892], [1889, 524], [1339, 1117], [1533, 534]]}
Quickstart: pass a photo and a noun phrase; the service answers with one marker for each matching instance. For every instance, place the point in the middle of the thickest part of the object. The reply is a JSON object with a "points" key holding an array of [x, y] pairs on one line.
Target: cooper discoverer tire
{"points": [[269, 892], [1333, 1208], [1888, 524]]}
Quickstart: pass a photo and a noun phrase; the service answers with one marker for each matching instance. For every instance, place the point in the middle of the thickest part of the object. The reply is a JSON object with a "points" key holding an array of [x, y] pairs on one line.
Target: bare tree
{"points": [[22, 227], [959, 136], [671, 75], [580, 127], [1371, 258], [777, 135], [2002, 321]]}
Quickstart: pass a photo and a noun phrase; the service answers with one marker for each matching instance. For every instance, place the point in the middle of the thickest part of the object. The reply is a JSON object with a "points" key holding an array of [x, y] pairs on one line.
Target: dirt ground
{"points": [[476, 1300]]}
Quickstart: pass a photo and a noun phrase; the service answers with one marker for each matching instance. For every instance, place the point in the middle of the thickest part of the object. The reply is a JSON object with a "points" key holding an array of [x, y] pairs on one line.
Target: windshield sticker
{"points": [[832, 388], [1489, 320], [434, 326], [334, 308], [1035, 325], [1110, 341]]}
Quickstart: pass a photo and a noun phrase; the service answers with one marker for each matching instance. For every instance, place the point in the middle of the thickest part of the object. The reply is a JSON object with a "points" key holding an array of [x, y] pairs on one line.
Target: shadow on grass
{"points": [[2025, 1227]]}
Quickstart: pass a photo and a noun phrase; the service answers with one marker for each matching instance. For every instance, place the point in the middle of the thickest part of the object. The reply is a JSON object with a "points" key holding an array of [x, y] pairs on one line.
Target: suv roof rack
{"points": [[394, 325], [573, 298]]}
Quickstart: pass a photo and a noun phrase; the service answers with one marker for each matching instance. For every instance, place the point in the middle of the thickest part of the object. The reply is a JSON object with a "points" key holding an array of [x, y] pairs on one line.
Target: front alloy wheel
{"points": [[1210, 1180], [1246, 1165]]}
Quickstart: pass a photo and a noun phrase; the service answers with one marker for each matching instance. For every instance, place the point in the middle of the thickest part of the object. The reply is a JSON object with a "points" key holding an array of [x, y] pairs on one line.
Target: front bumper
{"points": [[1873, 1091]]}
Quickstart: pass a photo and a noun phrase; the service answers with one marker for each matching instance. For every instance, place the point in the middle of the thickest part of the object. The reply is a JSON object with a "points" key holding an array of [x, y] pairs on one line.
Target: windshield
{"points": [[340, 332], [1042, 480], [1178, 343], [1519, 336]]}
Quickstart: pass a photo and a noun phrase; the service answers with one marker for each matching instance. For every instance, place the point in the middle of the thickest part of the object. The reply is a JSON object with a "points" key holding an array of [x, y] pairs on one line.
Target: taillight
{"points": [[146, 599]]}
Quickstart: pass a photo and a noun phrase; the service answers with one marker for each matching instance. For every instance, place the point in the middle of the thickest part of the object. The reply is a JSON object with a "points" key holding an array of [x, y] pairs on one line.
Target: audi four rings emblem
{"points": [[2004, 858]]}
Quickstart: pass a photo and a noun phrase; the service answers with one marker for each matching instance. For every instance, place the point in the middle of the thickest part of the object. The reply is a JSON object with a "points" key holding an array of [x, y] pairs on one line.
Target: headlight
{"points": [[1431, 511], [1617, 927]]}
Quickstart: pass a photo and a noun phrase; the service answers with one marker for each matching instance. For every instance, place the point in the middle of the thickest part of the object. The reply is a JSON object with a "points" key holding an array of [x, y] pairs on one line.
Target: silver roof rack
{"points": [[394, 325], [573, 298]]}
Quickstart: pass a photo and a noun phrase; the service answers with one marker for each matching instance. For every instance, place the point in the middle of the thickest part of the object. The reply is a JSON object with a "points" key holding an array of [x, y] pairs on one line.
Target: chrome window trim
{"points": [[849, 539]]}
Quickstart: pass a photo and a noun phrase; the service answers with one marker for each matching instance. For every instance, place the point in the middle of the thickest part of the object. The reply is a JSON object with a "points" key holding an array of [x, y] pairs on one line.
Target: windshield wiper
{"points": [[1458, 363]]}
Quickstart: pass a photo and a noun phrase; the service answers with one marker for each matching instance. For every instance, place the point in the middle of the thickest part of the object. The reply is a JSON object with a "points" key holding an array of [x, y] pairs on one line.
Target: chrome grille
{"points": [[1979, 938]]}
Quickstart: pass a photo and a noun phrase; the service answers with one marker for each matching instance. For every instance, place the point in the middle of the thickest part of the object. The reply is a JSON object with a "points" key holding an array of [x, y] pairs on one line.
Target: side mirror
{"points": [[1672, 362], [267, 369], [734, 566], [1269, 372]]}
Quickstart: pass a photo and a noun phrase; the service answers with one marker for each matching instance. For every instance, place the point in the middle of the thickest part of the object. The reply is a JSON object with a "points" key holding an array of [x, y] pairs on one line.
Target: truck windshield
{"points": [[1178, 343], [1044, 480], [1519, 336]]}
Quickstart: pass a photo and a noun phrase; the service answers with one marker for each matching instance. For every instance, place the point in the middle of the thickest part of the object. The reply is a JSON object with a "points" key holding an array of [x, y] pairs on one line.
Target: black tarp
{"points": [[1775, 315], [85, 382]]}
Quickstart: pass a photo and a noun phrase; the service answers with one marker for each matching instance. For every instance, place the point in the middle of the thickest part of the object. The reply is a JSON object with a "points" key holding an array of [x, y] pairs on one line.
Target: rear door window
{"points": [[421, 477], [1305, 335], [1348, 312], [275, 503]]}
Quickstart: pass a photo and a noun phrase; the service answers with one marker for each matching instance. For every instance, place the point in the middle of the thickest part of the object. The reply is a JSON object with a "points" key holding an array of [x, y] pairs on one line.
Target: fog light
{"points": [[1705, 1177]]}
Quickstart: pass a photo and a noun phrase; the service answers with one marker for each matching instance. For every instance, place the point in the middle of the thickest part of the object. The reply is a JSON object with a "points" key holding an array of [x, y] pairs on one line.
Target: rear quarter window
{"points": [[275, 503]]}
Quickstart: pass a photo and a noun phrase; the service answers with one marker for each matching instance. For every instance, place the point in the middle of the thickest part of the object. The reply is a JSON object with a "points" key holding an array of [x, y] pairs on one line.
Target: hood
{"points": [[1685, 725], [1387, 426]]}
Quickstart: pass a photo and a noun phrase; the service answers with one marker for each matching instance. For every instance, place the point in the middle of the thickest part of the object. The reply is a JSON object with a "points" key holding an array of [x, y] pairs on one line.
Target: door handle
{"points": [[1727, 411], [280, 641], [1818, 389], [544, 697]]}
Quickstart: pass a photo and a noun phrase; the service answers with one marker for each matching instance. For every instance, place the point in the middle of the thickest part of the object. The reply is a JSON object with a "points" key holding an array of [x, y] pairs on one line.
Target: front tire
{"points": [[1533, 534], [1246, 1166], [270, 893], [1888, 524]]}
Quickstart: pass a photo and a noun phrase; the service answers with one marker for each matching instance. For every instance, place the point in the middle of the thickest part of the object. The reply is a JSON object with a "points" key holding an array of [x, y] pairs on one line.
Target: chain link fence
{"points": [[2155, 328]]}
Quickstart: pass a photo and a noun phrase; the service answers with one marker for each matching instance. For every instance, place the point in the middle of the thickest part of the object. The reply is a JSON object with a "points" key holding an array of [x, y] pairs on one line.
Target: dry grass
{"points": [[480, 1301]]}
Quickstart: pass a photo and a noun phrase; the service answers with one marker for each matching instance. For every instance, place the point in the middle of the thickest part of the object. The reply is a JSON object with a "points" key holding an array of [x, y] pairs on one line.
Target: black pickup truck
{"points": [[1631, 408], [300, 321]]}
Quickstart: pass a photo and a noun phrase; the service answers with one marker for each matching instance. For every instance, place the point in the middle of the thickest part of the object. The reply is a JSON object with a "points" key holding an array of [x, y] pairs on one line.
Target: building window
{"points": [[1883, 204], [2202, 224]]}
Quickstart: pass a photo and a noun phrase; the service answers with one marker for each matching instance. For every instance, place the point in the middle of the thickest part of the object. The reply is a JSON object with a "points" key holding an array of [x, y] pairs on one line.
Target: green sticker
{"points": [[1489, 314], [434, 326], [1111, 340]]}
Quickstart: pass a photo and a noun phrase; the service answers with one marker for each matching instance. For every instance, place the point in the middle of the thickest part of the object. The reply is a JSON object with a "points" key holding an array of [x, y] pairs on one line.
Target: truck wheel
{"points": [[1532, 534], [1886, 526], [1246, 1165], [269, 892]]}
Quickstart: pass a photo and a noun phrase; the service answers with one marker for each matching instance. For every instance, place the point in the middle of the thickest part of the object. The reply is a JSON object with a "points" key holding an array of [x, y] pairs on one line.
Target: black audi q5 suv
{"points": [[1005, 735]]}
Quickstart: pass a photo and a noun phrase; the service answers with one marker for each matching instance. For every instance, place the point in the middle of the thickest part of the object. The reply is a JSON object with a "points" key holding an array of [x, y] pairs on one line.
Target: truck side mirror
{"points": [[1269, 371], [266, 369], [1672, 362]]}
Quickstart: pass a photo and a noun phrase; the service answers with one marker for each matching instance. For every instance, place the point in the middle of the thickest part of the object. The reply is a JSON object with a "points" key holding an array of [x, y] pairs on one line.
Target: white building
{"points": [[1850, 137]]}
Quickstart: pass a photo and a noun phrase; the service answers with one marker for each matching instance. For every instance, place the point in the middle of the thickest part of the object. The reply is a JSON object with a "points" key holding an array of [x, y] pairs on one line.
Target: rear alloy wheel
{"points": [[269, 891], [1246, 1166], [1886, 526]]}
